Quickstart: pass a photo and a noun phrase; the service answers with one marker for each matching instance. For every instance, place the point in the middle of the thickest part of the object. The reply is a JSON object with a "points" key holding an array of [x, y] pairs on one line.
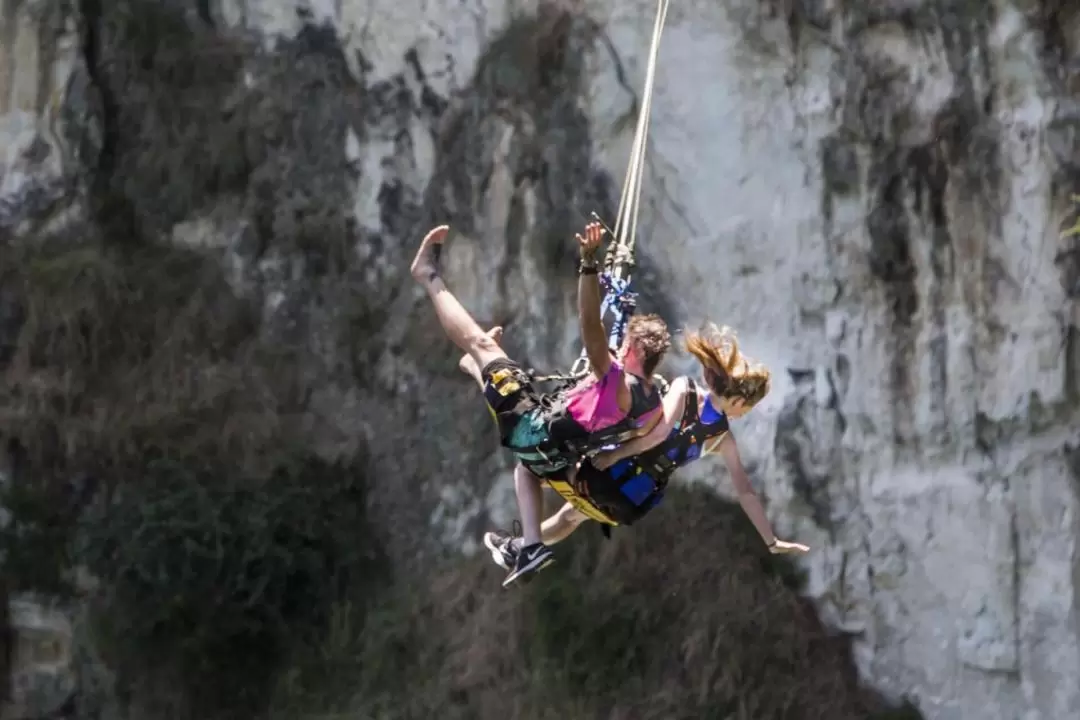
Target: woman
{"points": [[621, 486], [550, 434]]}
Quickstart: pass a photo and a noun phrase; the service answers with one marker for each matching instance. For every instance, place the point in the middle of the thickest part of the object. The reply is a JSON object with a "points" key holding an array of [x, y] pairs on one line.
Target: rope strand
{"points": [[615, 279], [620, 259]]}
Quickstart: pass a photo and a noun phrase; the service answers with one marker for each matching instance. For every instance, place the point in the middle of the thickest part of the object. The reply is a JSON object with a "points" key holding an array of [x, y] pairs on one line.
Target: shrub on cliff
{"points": [[219, 545], [211, 578], [683, 616]]}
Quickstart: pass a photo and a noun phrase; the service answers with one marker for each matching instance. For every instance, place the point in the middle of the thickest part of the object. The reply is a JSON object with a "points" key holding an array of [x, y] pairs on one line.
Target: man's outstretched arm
{"points": [[593, 334]]}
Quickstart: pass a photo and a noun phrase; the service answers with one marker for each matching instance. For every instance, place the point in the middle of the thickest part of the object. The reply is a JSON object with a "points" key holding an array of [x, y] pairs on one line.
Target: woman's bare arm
{"points": [[674, 403], [748, 499]]}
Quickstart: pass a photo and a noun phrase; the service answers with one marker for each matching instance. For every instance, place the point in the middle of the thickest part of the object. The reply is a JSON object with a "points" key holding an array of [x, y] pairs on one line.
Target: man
{"points": [[549, 434]]}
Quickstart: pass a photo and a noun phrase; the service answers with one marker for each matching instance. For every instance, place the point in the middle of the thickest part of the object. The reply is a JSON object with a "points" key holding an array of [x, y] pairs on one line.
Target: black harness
{"points": [[640, 485], [686, 445], [568, 442]]}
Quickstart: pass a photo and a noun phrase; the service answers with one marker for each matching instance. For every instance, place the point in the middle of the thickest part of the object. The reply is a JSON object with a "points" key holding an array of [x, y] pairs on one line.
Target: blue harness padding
{"points": [[640, 487]]}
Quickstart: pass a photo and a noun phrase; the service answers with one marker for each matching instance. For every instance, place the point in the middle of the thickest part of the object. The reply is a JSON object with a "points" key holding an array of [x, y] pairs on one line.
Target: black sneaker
{"points": [[501, 545], [531, 559]]}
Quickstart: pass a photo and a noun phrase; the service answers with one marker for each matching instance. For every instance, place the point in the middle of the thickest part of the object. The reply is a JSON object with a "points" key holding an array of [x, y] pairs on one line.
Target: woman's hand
{"points": [[788, 548], [604, 460]]}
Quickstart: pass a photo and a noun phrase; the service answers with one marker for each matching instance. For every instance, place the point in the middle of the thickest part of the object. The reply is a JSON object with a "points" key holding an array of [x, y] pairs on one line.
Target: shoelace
{"points": [[514, 534]]}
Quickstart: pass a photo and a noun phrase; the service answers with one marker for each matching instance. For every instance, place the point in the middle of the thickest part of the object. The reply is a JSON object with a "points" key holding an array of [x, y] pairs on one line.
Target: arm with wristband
{"points": [[593, 334], [749, 501]]}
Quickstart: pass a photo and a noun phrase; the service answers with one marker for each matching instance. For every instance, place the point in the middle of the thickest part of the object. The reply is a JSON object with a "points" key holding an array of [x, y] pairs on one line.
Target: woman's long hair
{"points": [[728, 372]]}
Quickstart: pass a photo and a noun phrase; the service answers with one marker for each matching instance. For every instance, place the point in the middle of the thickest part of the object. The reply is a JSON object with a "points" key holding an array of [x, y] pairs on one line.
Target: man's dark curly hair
{"points": [[649, 334]]}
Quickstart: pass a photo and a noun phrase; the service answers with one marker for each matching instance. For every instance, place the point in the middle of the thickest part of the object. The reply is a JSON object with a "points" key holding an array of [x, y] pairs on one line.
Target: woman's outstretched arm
{"points": [[748, 499]]}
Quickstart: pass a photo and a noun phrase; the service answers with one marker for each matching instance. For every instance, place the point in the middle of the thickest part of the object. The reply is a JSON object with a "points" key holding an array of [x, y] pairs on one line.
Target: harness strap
{"points": [[557, 377], [690, 407], [580, 501], [687, 423]]}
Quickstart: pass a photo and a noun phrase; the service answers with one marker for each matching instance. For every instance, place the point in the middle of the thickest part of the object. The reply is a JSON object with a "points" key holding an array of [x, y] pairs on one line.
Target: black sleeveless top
{"points": [[566, 432]]}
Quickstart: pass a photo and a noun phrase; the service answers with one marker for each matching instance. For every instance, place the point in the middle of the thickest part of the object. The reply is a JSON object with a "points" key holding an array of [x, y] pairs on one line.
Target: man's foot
{"points": [[531, 559], [425, 266], [503, 552]]}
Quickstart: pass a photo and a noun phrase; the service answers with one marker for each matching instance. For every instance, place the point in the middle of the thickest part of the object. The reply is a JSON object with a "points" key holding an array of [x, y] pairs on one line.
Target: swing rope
{"points": [[615, 281]]}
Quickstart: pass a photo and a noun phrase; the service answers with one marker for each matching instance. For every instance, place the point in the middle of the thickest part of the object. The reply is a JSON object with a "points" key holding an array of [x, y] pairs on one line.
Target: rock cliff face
{"points": [[871, 193]]}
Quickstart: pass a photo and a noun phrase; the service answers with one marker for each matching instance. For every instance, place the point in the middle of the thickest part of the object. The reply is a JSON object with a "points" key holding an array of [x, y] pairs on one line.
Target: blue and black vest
{"points": [[630, 488]]}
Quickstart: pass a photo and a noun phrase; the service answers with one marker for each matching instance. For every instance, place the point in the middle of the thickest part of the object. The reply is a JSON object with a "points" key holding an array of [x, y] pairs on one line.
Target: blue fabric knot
{"points": [[621, 302]]}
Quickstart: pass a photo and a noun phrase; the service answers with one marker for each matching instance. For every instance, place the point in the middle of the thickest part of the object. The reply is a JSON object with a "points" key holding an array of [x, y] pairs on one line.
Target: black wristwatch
{"points": [[588, 267]]}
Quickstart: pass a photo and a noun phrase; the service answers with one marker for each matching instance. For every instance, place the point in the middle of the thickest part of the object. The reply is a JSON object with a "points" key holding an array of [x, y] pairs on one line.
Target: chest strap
{"points": [[688, 426]]}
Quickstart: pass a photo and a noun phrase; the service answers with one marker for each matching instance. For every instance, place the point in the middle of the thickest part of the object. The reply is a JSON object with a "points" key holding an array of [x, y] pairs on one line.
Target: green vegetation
{"points": [[212, 579], [615, 629], [220, 545], [1075, 228]]}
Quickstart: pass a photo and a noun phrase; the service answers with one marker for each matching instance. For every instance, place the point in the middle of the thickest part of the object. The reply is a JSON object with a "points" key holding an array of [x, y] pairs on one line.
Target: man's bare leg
{"points": [[527, 486], [456, 321], [534, 556], [530, 498], [467, 364], [557, 527]]}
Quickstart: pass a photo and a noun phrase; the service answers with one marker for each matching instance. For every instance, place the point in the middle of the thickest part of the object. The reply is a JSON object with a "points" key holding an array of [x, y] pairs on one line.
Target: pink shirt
{"points": [[595, 405]]}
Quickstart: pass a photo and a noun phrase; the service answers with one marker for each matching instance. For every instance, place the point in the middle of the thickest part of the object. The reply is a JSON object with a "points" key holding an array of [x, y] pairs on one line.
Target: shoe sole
{"points": [[496, 554], [531, 569]]}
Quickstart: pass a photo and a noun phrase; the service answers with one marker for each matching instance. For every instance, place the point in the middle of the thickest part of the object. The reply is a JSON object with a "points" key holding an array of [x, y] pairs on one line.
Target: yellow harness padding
{"points": [[591, 511], [581, 504]]}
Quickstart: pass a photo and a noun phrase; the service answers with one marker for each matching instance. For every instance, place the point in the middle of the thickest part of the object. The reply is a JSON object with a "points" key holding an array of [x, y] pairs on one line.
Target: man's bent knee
{"points": [[484, 349]]}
